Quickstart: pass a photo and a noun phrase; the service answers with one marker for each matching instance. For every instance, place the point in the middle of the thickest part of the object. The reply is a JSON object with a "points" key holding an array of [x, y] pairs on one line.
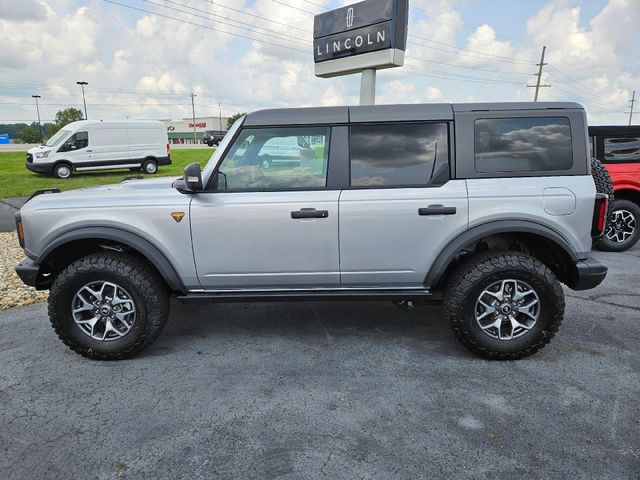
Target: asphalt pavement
{"points": [[328, 390]]}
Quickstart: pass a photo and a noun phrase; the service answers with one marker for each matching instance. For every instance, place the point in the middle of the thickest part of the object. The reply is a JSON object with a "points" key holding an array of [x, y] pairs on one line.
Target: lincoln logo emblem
{"points": [[350, 16]]}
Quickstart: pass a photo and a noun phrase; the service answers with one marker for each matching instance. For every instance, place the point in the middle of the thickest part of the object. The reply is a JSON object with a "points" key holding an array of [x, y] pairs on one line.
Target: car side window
{"points": [[526, 144], [77, 141], [276, 159], [397, 155], [622, 149]]}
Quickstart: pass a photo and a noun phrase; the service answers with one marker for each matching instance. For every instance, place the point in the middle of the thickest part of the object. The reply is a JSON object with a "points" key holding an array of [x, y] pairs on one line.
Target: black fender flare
{"points": [[146, 248], [474, 234]]}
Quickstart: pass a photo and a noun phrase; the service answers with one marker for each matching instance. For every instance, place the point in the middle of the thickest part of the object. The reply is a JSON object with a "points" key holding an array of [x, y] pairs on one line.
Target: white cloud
{"points": [[159, 61]]}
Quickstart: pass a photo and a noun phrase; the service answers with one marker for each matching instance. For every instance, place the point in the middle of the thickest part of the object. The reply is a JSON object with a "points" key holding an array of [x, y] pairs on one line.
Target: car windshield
{"points": [[57, 138]]}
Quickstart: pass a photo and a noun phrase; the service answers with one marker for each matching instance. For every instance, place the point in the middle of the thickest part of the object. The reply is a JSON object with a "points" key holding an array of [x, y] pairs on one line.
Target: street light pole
{"points": [[220, 113], [82, 84], [193, 110], [38, 110]]}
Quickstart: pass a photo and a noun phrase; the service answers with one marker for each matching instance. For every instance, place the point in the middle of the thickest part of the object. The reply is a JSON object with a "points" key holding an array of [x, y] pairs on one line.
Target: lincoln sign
{"points": [[369, 34]]}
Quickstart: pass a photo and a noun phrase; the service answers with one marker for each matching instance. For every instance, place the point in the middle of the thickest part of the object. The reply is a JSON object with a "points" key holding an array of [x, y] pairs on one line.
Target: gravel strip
{"points": [[14, 293]]}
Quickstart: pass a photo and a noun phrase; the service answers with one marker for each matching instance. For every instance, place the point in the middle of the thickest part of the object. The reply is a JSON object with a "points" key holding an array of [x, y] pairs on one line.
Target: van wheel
{"points": [[108, 306], [623, 228], [150, 167], [62, 170], [503, 305]]}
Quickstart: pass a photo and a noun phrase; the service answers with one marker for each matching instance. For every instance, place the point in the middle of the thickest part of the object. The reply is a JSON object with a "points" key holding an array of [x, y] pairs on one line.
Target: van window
{"points": [[622, 149], [523, 144], [276, 159], [77, 141], [57, 138], [397, 155], [110, 136]]}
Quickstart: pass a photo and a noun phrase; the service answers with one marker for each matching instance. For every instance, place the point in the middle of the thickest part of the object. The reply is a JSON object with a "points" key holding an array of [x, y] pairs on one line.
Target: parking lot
{"points": [[329, 390]]}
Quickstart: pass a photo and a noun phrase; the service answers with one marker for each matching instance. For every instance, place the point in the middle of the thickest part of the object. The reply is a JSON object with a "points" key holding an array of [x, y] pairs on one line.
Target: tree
{"points": [[65, 117], [28, 135], [232, 119]]}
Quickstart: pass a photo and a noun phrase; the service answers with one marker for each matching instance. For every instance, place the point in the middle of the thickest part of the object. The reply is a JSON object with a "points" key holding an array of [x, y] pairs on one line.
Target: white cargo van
{"points": [[102, 145]]}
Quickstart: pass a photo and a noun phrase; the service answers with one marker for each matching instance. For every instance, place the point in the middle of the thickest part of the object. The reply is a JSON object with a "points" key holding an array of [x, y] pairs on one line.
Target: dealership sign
{"points": [[369, 34]]}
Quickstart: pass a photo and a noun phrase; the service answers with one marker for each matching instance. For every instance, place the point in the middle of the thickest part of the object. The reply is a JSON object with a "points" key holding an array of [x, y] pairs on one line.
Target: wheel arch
{"points": [[62, 161], [626, 193], [539, 240], [76, 243]]}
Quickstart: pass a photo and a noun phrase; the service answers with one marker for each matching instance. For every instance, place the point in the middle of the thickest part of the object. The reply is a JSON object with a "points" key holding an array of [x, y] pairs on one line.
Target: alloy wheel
{"points": [[507, 309], [104, 311]]}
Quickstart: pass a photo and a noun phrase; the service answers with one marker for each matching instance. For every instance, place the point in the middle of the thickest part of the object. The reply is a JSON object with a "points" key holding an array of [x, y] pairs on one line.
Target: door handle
{"points": [[309, 213], [437, 210], [89, 151]]}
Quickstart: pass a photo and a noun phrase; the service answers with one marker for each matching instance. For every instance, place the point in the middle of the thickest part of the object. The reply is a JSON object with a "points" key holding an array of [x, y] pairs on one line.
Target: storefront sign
{"points": [[369, 34]]}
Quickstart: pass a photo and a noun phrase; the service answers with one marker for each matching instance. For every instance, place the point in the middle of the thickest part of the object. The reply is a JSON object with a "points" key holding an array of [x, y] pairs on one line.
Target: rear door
{"points": [[401, 207]]}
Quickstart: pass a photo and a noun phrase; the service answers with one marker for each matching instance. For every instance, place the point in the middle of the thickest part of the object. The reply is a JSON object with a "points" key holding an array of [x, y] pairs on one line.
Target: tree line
{"points": [[25, 133]]}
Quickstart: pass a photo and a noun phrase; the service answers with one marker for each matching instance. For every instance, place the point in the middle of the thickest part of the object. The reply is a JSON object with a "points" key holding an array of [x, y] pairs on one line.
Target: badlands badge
{"points": [[177, 216]]}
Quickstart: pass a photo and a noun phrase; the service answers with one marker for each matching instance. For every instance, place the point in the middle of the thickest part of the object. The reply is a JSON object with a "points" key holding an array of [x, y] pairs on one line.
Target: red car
{"points": [[618, 148]]}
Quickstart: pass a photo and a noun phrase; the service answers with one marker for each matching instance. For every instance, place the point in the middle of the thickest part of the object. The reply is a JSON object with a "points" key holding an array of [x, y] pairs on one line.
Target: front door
{"points": [[267, 226]]}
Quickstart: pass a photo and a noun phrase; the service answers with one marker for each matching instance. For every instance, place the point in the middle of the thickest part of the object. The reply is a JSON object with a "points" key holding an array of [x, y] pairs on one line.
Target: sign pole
{"points": [[368, 87]]}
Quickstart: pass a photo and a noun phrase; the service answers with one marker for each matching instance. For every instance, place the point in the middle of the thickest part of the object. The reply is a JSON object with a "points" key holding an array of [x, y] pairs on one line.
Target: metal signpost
{"points": [[364, 37]]}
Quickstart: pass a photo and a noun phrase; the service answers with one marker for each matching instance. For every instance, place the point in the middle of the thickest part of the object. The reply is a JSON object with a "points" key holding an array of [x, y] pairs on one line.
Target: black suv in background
{"points": [[213, 137]]}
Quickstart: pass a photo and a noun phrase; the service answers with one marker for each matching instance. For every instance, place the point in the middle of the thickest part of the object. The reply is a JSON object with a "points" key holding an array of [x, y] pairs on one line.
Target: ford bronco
{"points": [[487, 208]]}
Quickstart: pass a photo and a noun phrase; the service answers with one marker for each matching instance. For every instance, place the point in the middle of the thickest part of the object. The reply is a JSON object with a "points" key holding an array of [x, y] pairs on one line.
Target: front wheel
{"points": [[150, 167], [62, 170], [108, 306], [503, 305], [622, 230]]}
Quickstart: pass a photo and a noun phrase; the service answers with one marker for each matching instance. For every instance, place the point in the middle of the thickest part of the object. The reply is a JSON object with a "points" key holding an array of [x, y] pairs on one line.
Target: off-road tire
{"points": [[475, 274], [609, 245], [147, 288], [603, 182]]}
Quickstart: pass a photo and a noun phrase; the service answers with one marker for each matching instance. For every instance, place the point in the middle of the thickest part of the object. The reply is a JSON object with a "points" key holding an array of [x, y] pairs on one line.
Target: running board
{"points": [[419, 296]]}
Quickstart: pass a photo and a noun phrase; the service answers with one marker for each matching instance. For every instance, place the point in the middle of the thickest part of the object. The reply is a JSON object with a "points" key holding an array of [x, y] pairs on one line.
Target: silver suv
{"points": [[486, 208]]}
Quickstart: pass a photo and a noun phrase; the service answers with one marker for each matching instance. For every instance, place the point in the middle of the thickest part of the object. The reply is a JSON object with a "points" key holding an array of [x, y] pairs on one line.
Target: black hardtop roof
{"points": [[381, 113], [614, 130]]}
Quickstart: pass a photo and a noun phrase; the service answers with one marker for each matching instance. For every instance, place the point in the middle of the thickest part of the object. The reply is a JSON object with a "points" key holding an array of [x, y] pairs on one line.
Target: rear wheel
{"points": [[108, 306], [503, 305], [623, 229], [62, 170], [150, 167]]}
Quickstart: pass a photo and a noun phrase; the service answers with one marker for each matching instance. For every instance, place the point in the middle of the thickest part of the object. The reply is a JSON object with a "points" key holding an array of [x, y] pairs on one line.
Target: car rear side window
{"points": [[622, 149], [523, 144], [397, 155]]}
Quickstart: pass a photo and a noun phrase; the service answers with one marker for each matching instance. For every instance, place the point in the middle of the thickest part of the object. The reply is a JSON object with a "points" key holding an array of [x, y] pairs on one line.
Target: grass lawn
{"points": [[17, 181]]}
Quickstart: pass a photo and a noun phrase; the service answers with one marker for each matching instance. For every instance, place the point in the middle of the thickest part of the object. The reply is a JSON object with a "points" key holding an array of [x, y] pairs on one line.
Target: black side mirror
{"points": [[193, 177]]}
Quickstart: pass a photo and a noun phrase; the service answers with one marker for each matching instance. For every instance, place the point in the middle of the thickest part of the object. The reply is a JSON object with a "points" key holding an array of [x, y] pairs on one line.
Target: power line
{"points": [[257, 16], [253, 39], [470, 27], [472, 54], [295, 8], [215, 15], [468, 67], [462, 78]]}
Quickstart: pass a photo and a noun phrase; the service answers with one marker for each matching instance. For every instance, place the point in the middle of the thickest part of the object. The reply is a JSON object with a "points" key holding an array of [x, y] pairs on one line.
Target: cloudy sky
{"points": [[143, 57]]}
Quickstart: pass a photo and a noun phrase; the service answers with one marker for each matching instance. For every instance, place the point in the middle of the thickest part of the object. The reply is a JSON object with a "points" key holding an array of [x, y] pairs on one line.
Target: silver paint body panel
{"points": [[383, 240]]}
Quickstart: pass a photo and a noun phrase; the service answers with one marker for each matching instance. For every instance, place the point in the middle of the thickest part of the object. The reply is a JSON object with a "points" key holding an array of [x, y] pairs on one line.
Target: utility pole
{"points": [[538, 84], [631, 112], [193, 109], [40, 124], [220, 113], [82, 84]]}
